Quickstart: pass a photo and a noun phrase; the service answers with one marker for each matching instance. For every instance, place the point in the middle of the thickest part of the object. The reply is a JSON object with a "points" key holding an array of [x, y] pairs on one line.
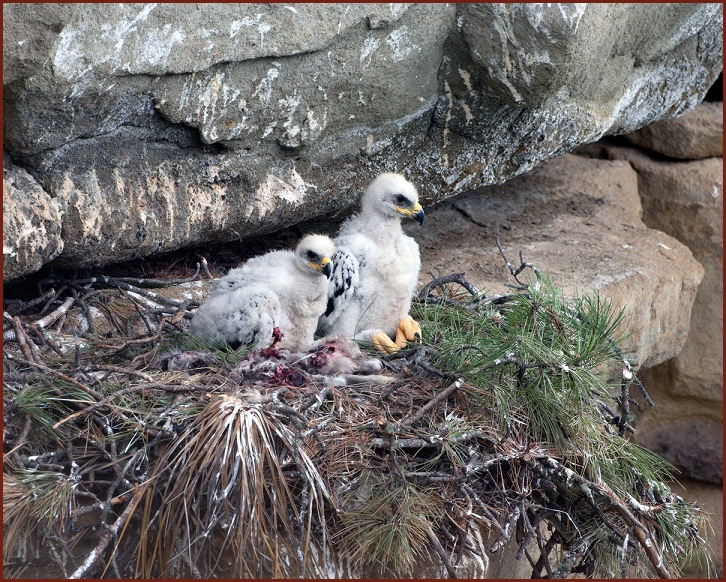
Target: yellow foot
{"points": [[383, 343], [408, 331]]}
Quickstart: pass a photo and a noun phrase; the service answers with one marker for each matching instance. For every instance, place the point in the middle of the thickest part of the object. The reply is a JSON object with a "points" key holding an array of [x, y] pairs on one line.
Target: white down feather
{"points": [[282, 289], [376, 266]]}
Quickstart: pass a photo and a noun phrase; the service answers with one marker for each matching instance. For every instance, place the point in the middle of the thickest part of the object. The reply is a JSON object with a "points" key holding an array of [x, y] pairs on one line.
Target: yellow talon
{"points": [[408, 331], [383, 343]]}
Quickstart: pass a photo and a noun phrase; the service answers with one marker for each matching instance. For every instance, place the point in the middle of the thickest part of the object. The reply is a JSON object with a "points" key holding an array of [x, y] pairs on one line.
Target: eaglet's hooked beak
{"points": [[417, 212], [325, 266]]}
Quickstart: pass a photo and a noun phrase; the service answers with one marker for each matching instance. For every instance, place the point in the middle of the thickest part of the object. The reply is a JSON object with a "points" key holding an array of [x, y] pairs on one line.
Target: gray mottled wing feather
{"points": [[344, 281], [242, 316]]}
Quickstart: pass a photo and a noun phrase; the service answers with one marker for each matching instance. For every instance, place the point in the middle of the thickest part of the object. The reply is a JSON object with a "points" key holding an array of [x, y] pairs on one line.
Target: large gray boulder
{"points": [[159, 126], [33, 219]]}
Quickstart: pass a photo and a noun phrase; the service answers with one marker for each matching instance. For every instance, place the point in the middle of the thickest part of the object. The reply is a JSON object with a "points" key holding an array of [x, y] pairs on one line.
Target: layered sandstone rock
{"points": [[685, 200], [579, 221], [694, 135]]}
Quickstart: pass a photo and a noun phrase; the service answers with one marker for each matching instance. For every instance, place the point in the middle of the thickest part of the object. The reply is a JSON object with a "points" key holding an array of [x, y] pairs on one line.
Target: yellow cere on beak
{"points": [[325, 266], [417, 213]]}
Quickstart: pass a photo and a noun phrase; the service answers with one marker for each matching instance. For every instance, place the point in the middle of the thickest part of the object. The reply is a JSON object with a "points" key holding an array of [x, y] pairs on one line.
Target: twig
{"points": [[61, 535], [47, 340], [54, 553], [155, 297], [530, 527], [422, 363], [624, 402], [440, 552], [60, 375], [152, 338], [22, 339], [441, 281], [487, 512], [100, 404], [51, 317], [106, 536], [86, 310], [518, 270], [629, 369], [26, 305], [568, 563], [297, 419], [121, 370], [640, 531], [432, 476], [158, 282], [205, 266], [614, 418], [545, 550], [140, 311], [316, 400], [433, 402], [508, 529], [23, 435], [52, 299], [123, 392], [434, 441]]}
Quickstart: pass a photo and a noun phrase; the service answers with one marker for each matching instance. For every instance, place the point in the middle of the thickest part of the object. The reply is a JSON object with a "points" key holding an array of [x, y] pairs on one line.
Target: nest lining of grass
{"points": [[502, 428]]}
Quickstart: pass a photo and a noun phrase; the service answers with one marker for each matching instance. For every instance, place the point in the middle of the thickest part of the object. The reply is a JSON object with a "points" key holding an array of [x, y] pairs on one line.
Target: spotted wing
{"points": [[344, 281]]}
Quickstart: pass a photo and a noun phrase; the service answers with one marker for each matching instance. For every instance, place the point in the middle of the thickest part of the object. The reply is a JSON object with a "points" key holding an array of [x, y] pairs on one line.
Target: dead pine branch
{"points": [[205, 267], [433, 402], [55, 314], [640, 531], [439, 282], [52, 299], [39, 325], [56, 373], [22, 339], [23, 435], [157, 282], [18, 306], [523, 265], [108, 533], [441, 553], [155, 297], [563, 569]]}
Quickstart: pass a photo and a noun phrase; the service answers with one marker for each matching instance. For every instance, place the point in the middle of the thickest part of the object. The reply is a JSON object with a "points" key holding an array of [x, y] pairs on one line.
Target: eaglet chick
{"points": [[282, 289], [375, 269]]}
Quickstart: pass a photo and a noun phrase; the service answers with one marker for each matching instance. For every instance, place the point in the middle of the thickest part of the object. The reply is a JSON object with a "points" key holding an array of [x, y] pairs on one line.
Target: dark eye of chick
{"points": [[311, 256], [400, 199]]}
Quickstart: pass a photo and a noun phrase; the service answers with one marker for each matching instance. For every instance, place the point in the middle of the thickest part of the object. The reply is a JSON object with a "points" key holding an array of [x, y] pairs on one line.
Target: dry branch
{"points": [[433, 402], [108, 533], [54, 315]]}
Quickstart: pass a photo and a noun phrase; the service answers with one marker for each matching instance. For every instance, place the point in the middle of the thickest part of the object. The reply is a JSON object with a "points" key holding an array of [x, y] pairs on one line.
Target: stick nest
{"points": [[133, 449]]}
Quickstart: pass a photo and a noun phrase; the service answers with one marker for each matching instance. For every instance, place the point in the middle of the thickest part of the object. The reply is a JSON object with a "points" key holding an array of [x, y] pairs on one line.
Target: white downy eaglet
{"points": [[375, 269], [282, 289]]}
